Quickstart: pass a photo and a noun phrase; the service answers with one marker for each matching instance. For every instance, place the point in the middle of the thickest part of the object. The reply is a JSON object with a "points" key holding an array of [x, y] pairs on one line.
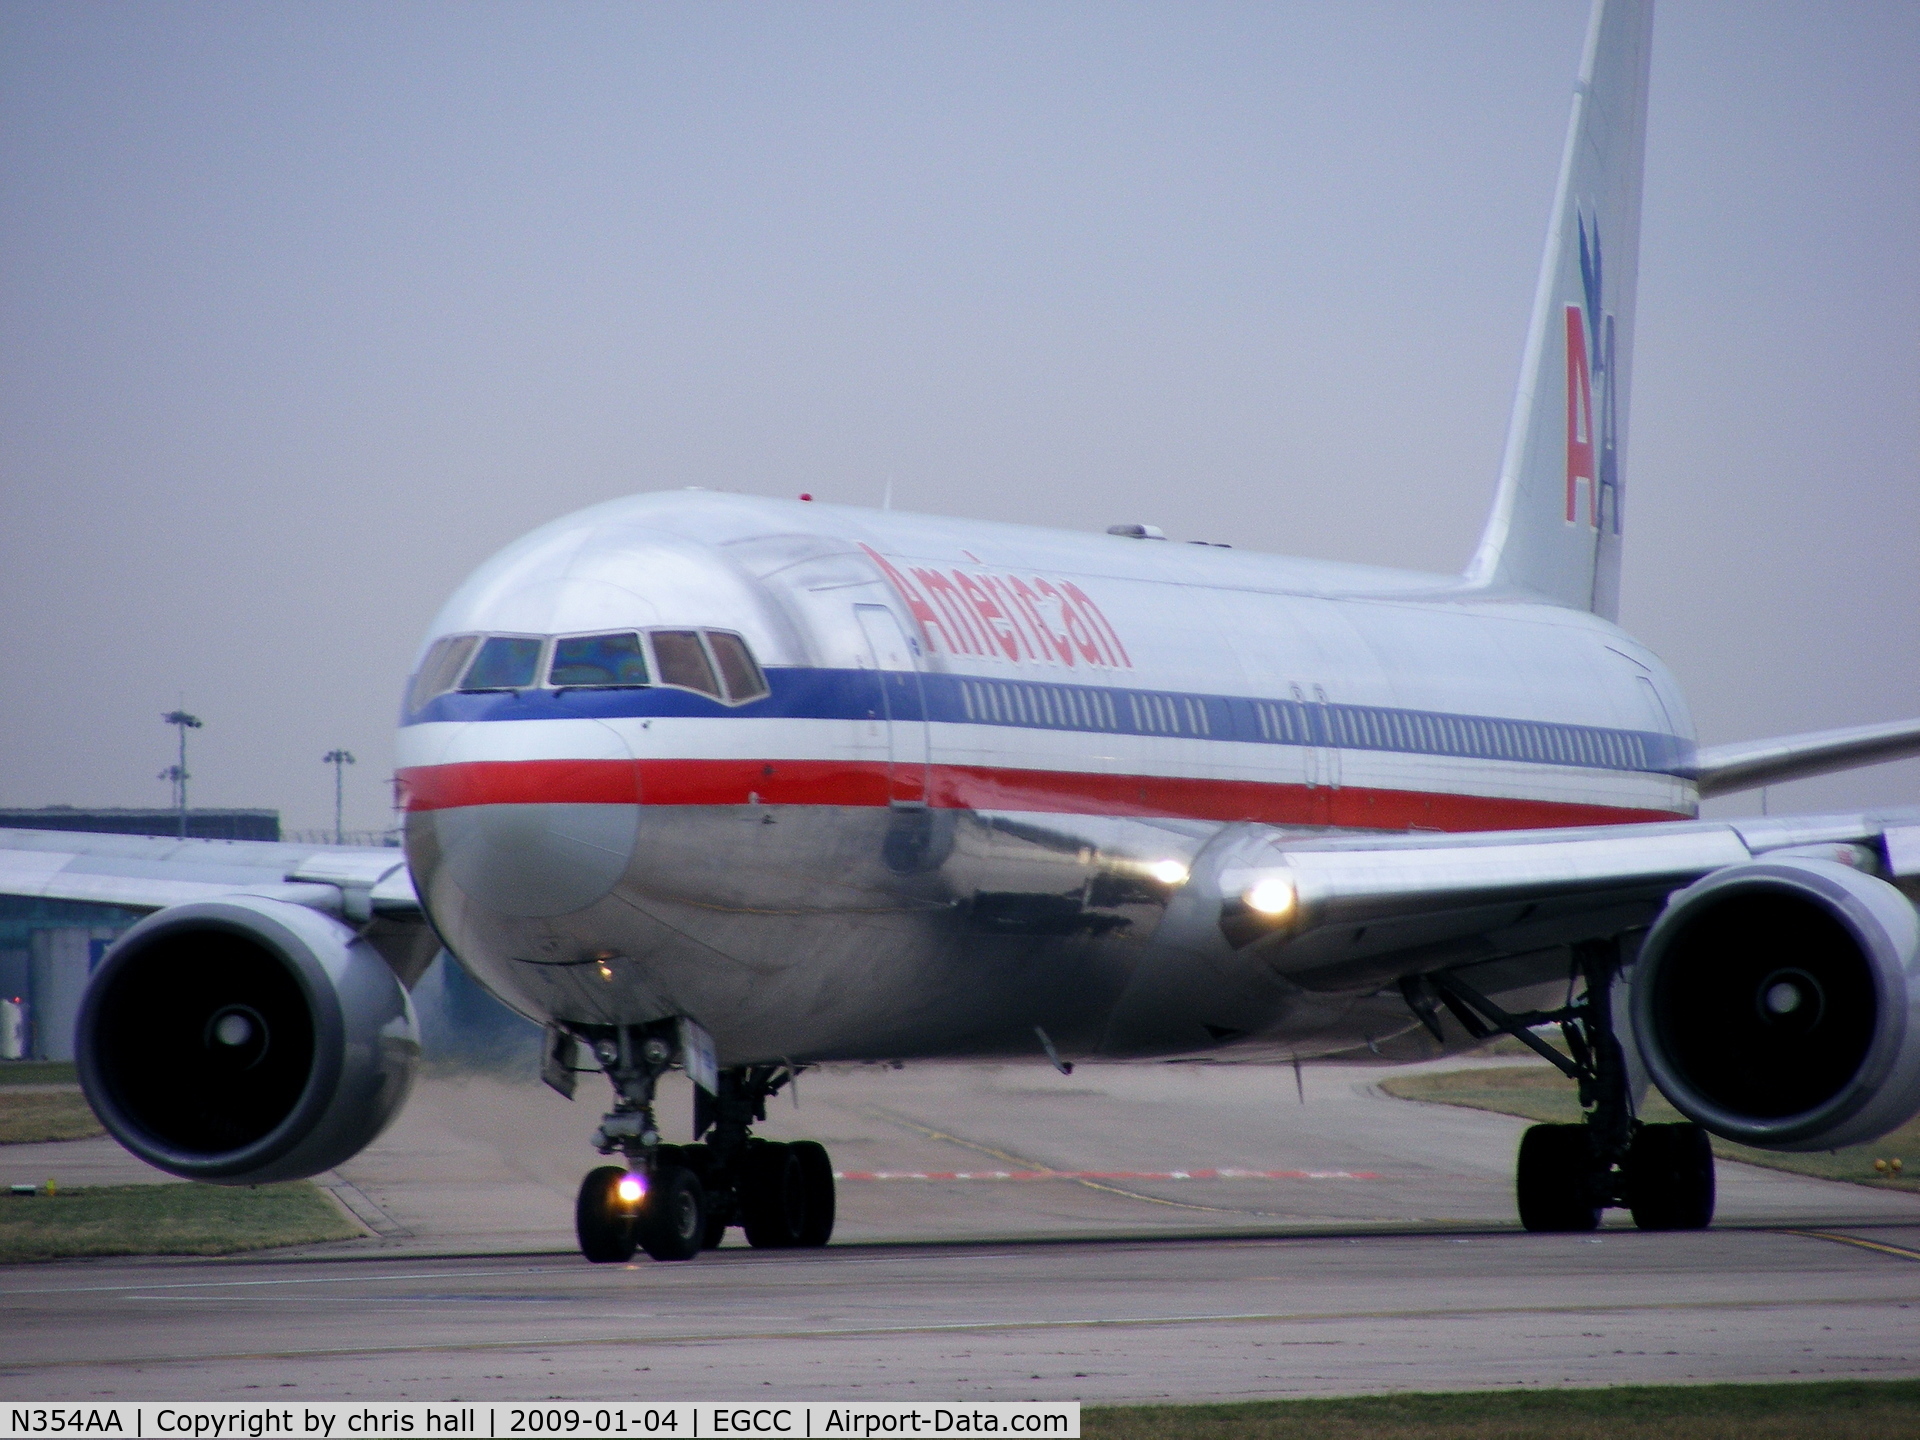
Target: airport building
{"points": [[48, 948], [201, 824]]}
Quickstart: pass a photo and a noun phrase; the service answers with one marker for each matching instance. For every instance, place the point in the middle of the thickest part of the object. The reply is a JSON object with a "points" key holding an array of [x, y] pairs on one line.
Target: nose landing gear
{"points": [[654, 1202], [672, 1201]]}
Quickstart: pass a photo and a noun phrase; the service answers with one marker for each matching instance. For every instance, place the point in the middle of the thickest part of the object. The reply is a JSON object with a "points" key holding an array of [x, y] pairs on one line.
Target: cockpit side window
{"points": [[602, 660], [445, 659], [505, 662], [743, 677], [682, 661]]}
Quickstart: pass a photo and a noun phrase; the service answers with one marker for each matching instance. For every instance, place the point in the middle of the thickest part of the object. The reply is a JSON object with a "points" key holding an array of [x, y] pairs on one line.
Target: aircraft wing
{"points": [[367, 889], [1344, 912], [137, 872], [1722, 769]]}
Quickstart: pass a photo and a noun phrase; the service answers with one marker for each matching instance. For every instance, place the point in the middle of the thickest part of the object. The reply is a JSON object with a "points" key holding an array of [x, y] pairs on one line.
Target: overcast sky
{"points": [[306, 309]]}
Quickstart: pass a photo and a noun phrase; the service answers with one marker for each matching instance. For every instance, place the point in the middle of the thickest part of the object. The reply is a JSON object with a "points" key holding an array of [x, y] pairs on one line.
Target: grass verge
{"points": [[35, 1115], [1837, 1410], [1539, 1092], [37, 1072], [181, 1219]]}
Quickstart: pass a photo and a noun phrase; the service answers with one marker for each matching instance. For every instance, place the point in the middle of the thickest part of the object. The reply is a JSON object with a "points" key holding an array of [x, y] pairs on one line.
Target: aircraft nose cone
{"points": [[555, 834]]}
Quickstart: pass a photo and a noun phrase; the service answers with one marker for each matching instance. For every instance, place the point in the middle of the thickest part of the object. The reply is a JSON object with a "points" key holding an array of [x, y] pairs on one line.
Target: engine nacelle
{"points": [[245, 1040], [1777, 1003]]}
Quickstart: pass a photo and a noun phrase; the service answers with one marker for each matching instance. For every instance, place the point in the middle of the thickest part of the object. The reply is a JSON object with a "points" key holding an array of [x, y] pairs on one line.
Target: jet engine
{"points": [[1777, 1003], [245, 1040]]}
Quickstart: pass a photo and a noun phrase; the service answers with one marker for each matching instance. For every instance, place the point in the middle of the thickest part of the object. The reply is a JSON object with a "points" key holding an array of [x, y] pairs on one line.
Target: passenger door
{"points": [[903, 706], [1322, 755]]}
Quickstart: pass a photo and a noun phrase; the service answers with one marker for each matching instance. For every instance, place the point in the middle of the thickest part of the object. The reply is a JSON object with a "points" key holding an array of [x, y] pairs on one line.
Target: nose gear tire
{"points": [[604, 1225], [673, 1218]]}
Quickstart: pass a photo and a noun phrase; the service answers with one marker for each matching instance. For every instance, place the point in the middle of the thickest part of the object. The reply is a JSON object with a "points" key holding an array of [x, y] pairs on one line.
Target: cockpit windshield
{"points": [[714, 663], [737, 668], [683, 661], [602, 660], [505, 662], [441, 668]]}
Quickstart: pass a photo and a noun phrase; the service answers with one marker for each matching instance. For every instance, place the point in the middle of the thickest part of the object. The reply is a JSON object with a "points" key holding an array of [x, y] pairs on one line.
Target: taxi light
{"points": [[630, 1189], [1272, 897], [1168, 872]]}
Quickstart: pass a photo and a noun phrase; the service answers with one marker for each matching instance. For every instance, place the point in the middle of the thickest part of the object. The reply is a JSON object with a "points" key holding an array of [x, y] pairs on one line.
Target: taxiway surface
{"points": [[1201, 1232]]}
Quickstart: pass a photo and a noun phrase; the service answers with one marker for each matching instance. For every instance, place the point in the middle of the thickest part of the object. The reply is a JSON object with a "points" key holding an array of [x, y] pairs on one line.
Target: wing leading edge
{"points": [[1723, 769], [136, 872], [1362, 910]]}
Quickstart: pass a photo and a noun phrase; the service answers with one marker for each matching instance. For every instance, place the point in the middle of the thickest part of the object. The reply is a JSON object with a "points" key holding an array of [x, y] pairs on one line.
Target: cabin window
{"points": [[445, 659], [505, 662], [602, 660], [682, 660], [737, 668]]}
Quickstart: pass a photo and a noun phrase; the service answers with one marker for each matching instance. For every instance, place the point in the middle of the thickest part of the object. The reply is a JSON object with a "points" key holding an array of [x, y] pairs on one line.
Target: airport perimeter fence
{"points": [[389, 839]]}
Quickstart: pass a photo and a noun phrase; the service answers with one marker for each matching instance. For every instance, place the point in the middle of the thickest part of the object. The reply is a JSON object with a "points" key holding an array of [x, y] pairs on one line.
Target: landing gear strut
{"points": [[1567, 1175], [672, 1201], [652, 1203], [782, 1193]]}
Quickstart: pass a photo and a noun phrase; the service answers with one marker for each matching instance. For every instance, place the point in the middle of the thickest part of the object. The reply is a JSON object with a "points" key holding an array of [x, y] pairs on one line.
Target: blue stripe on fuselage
{"points": [[808, 694]]}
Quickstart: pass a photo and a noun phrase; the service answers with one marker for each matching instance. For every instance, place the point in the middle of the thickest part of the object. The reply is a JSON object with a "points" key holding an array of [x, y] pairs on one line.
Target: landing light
{"points": [[1272, 897], [630, 1189], [1168, 872]]}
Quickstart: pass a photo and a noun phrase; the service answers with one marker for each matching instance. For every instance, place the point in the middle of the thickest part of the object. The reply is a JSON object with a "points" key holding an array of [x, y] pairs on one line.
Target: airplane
{"points": [[740, 785]]}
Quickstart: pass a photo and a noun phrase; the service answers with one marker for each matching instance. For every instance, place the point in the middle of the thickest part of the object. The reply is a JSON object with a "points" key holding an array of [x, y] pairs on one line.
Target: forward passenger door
{"points": [[903, 703]]}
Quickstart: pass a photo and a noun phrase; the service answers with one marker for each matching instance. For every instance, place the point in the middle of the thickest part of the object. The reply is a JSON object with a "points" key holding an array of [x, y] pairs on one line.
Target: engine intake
{"points": [[1777, 1003], [245, 1040]]}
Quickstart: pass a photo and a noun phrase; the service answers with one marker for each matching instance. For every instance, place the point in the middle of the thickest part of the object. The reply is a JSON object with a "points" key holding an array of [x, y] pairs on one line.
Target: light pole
{"points": [[339, 760], [178, 773]]}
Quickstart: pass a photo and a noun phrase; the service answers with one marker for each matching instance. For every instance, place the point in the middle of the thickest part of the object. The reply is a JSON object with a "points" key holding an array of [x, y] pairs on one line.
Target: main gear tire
{"points": [[1556, 1179], [816, 1175], [773, 1196], [1670, 1178]]}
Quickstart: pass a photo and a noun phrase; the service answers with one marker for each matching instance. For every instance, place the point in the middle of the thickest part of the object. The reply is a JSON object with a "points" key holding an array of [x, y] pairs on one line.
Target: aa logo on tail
{"points": [[1592, 453]]}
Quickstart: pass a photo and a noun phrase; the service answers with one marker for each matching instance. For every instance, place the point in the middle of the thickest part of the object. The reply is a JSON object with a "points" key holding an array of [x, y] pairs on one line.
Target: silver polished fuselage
{"points": [[936, 850]]}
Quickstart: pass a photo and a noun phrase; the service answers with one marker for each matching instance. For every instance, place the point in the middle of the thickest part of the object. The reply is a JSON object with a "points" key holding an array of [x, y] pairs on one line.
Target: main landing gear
{"points": [[673, 1201], [1568, 1175]]}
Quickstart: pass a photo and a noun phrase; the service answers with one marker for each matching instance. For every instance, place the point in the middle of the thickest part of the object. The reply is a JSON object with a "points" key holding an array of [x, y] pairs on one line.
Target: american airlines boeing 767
{"points": [[740, 785]]}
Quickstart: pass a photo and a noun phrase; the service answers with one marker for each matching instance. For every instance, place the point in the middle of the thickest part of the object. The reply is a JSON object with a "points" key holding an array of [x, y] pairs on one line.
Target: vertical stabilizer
{"points": [[1555, 527]]}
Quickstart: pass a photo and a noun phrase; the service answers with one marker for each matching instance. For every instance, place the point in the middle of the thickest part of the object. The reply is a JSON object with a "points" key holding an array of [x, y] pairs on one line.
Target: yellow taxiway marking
{"points": [[1899, 1251]]}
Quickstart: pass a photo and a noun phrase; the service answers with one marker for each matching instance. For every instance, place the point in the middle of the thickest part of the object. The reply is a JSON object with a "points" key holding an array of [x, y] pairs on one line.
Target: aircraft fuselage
{"points": [[988, 757]]}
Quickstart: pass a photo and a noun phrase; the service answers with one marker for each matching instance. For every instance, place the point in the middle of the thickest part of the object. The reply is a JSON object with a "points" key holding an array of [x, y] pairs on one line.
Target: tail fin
{"points": [[1555, 527]]}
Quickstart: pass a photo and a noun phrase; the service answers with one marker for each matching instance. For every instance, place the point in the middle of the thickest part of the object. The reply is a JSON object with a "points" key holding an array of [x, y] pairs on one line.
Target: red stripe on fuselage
{"points": [[980, 787]]}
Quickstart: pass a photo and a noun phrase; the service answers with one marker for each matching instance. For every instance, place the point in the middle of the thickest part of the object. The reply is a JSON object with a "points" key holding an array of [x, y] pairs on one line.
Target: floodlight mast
{"points": [[177, 773], [339, 759]]}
